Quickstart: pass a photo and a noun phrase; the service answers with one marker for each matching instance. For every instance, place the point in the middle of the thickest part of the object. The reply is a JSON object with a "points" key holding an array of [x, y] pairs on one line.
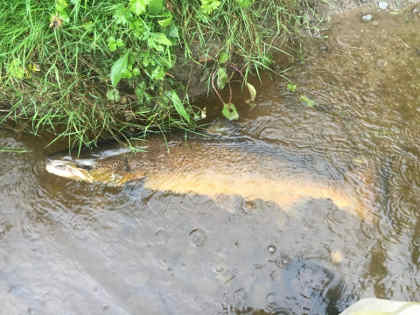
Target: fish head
{"points": [[70, 169]]}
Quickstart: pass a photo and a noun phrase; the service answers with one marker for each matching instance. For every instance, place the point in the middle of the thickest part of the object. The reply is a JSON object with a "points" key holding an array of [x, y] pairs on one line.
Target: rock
{"points": [[380, 306]]}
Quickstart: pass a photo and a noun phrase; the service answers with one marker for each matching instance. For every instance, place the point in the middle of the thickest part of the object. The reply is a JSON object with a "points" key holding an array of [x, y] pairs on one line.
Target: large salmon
{"points": [[216, 169]]}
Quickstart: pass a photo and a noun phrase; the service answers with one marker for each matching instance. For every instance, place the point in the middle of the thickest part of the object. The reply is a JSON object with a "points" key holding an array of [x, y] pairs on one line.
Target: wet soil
{"points": [[78, 248]]}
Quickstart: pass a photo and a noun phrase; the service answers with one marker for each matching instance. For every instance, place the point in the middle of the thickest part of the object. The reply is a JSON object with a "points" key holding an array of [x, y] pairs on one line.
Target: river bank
{"points": [[86, 71]]}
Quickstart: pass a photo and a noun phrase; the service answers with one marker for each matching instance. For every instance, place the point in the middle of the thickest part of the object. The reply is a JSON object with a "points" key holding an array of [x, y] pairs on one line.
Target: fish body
{"points": [[214, 169]]}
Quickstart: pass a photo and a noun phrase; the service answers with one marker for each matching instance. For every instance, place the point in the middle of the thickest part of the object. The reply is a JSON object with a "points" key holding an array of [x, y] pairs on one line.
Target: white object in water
{"points": [[373, 306]]}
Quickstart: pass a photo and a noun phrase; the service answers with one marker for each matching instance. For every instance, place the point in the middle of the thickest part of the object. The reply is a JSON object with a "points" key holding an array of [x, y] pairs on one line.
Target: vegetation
{"points": [[85, 69]]}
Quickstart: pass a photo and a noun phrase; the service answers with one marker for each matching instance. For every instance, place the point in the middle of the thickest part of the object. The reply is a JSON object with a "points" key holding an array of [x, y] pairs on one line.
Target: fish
{"points": [[213, 169]]}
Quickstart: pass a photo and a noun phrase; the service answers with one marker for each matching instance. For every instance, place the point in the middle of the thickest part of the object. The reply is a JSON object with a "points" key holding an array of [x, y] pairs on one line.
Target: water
{"points": [[78, 248]]}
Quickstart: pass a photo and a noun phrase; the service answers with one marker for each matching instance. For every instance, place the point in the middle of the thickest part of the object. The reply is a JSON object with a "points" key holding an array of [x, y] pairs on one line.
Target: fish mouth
{"points": [[70, 169]]}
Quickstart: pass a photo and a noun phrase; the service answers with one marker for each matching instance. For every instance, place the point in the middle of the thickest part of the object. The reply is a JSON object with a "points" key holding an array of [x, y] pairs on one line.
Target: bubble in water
{"points": [[198, 237], [271, 249], [282, 261]]}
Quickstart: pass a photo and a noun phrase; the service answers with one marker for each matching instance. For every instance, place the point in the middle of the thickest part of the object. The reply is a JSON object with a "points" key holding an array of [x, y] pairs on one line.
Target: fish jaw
{"points": [[68, 169]]}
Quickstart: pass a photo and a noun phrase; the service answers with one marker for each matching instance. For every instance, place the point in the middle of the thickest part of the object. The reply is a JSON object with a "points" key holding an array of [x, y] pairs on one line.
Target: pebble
{"points": [[367, 17], [383, 5]]}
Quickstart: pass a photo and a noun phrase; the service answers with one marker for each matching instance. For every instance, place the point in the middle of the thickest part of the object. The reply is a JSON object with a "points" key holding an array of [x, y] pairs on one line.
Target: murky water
{"points": [[78, 248]]}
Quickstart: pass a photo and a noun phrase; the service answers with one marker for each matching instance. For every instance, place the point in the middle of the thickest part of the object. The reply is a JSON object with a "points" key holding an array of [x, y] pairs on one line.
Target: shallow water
{"points": [[76, 248]]}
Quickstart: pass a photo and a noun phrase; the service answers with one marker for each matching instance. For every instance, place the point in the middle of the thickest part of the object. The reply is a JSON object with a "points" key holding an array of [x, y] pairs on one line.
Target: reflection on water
{"points": [[76, 248]]}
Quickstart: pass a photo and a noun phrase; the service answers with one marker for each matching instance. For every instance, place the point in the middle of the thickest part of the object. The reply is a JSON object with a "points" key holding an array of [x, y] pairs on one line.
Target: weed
{"points": [[84, 70]]}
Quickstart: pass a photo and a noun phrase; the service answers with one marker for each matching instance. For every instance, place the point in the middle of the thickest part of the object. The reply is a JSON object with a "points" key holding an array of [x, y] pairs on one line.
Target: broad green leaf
{"points": [[244, 4], [252, 92], [230, 112], [152, 44], [307, 101], [112, 43], [15, 69], [166, 21], [119, 69], [89, 26], [161, 38], [173, 32], [291, 87], [113, 95], [122, 15], [223, 57], [179, 106], [208, 6], [140, 28], [156, 6], [158, 73], [119, 43], [138, 6], [222, 78], [136, 71], [61, 5], [63, 16]]}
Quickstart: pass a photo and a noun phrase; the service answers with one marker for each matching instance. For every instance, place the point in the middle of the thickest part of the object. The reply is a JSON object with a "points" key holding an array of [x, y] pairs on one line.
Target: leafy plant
{"points": [[208, 6], [82, 70], [16, 69], [230, 112], [307, 101], [291, 87]]}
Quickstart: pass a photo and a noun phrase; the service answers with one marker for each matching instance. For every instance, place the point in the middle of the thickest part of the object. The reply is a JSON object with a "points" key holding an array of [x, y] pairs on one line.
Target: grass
{"points": [[84, 70]]}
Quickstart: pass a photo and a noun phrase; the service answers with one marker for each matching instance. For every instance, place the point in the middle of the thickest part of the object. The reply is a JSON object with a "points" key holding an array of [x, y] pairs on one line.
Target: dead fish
{"points": [[212, 170]]}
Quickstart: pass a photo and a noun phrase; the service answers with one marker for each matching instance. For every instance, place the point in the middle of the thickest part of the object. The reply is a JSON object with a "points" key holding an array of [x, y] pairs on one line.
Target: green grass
{"points": [[83, 70]]}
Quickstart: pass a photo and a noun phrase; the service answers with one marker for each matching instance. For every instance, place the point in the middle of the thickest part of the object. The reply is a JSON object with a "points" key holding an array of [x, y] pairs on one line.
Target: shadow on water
{"points": [[78, 248]]}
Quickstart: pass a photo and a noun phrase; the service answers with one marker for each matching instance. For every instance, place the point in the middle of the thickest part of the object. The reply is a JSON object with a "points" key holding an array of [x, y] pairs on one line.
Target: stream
{"points": [[69, 247]]}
